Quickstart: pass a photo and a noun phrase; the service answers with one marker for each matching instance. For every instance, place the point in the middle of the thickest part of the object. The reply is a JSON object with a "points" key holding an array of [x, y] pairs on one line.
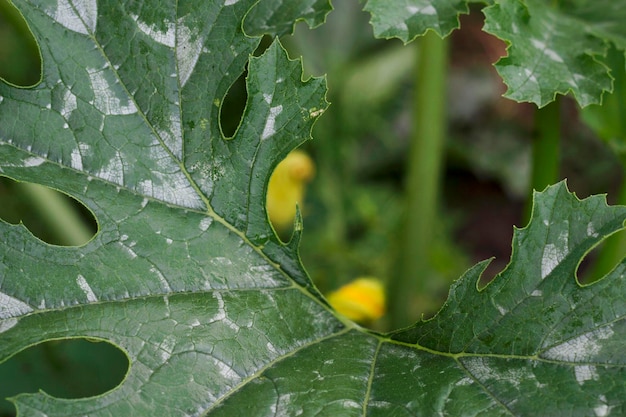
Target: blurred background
{"points": [[369, 209], [355, 210]]}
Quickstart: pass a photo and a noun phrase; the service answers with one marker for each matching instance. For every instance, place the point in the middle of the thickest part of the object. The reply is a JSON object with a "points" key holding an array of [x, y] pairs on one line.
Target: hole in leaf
{"points": [[50, 215], [70, 368], [266, 42], [233, 106], [234, 102], [286, 193], [602, 259], [20, 58]]}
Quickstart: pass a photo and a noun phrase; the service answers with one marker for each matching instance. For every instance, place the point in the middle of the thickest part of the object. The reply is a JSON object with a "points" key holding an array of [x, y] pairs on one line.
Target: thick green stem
{"points": [[545, 150], [422, 180]]}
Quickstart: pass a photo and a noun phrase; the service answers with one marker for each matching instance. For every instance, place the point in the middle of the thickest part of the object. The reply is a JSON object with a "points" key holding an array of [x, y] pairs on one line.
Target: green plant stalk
{"points": [[545, 151], [58, 214], [407, 289]]}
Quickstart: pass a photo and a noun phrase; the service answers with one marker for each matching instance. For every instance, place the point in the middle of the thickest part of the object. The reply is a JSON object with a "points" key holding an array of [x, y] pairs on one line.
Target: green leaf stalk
{"points": [[423, 178]]}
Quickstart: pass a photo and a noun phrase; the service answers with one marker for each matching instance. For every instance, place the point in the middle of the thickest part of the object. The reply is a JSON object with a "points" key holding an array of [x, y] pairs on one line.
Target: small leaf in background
{"points": [[552, 50], [554, 47], [407, 19], [362, 300]]}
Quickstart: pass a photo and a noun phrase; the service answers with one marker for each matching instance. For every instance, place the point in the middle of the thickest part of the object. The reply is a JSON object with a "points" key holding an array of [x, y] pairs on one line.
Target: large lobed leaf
{"points": [[185, 275], [554, 47]]}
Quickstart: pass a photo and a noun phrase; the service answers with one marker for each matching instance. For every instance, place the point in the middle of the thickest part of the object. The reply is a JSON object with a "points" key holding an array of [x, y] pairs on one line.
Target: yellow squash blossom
{"points": [[362, 300], [286, 188]]}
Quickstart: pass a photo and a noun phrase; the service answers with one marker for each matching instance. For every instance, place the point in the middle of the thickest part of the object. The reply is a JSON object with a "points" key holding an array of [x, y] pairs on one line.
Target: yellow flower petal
{"points": [[361, 300], [286, 188]]}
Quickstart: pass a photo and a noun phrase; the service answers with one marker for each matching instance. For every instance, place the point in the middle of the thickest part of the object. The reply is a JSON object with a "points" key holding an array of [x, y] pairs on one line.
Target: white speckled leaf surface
{"points": [[185, 275]]}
